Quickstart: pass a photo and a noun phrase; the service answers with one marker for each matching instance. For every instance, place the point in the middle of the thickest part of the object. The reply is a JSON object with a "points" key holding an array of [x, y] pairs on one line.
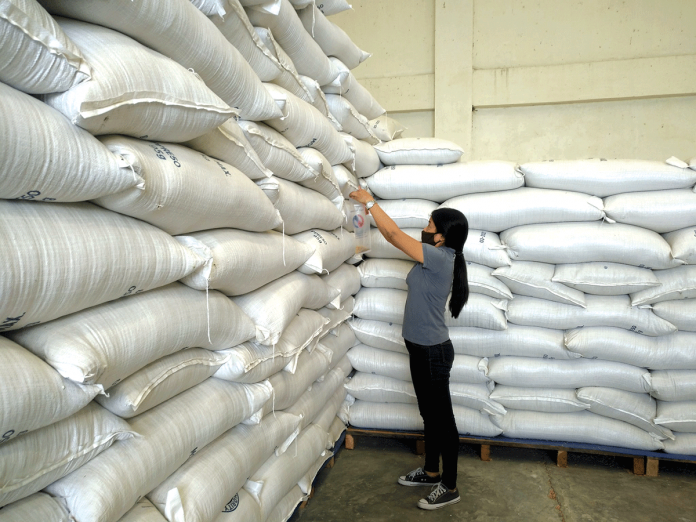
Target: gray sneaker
{"points": [[418, 477], [439, 497]]}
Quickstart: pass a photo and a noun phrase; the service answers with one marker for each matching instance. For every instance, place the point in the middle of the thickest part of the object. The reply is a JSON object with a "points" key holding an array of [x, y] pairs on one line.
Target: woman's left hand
{"points": [[361, 196]]}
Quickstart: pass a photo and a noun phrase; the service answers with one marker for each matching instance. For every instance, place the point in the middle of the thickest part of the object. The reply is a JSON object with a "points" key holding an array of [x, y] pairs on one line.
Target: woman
{"points": [[440, 268]]}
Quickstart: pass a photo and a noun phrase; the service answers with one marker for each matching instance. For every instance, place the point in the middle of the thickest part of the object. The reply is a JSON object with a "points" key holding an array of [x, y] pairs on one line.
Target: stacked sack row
{"points": [[582, 298], [175, 287]]}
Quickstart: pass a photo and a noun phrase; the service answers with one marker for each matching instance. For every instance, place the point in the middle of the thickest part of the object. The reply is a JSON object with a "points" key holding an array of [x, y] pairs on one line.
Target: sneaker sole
{"points": [[408, 483], [431, 507]]}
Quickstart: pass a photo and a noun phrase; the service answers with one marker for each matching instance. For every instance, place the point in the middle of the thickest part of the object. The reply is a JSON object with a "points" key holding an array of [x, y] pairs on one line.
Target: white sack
{"points": [[536, 280], [318, 99], [184, 34], [331, 38], [327, 417], [683, 245], [186, 191], [675, 284], [465, 369], [386, 128], [301, 208], [480, 247], [406, 417], [109, 485], [59, 259], [338, 316], [331, 249], [442, 182], [332, 7], [325, 181], [677, 416], [601, 177], [666, 352], [38, 57], [347, 182], [211, 7], [338, 342], [582, 426], [548, 400], [276, 152], [33, 461], [497, 211], [559, 243], [387, 304], [93, 346], [523, 341], [37, 165], [615, 311], [304, 126], [407, 213], [634, 408], [365, 161], [683, 444], [311, 402], [274, 305], [419, 151], [605, 278], [161, 380], [134, 90], [201, 488], [351, 121], [241, 508], [229, 144], [681, 313], [143, 511], [39, 506], [252, 362], [346, 278], [240, 262], [288, 30], [378, 334], [527, 372], [661, 210], [285, 508], [674, 385], [349, 87]]}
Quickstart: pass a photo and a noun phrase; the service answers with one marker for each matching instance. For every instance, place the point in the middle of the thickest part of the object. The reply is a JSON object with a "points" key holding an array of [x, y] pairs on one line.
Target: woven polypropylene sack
{"points": [[365, 160], [683, 444], [548, 400], [34, 395], [184, 34], [601, 177], [304, 126], [442, 182], [386, 128], [200, 489], [331, 38], [683, 244], [325, 182], [406, 417], [38, 166], [242, 507], [527, 372], [346, 278], [407, 213], [559, 243], [229, 144], [186, 191], [352, 122], [331, 249], [38, 506], [38, 57], [241, 261], [666, 352], [677, 416], [63, 258], [161, 380], [681, 313], [419, 151], [605, 278], [498, 211], [348, 86], [313, 400], [136, 91], [615, 311], [285, 508], [379, 334], [660, 210], [674, 385], [143, 511], [287, 28], [274, 305], [108, 486], [332, 7], [675, 283], [583, 426], [92, 346], [535, 280], [33, 461]]}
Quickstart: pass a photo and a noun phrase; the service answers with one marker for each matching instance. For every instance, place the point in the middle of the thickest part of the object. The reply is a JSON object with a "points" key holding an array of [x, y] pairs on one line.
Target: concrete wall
{"points": [[535, 79]]}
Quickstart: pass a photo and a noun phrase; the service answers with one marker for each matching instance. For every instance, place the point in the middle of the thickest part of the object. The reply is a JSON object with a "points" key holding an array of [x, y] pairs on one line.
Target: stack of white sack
{"points": [[116, 350]]}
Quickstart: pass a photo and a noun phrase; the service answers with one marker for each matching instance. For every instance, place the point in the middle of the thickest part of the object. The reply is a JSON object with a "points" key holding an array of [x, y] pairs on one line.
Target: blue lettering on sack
{"points": [[232, 504], [9, 322]]}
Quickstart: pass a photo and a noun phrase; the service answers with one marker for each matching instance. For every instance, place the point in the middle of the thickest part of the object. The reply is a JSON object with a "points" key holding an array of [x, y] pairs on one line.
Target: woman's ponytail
{"points": [[453, 225]]}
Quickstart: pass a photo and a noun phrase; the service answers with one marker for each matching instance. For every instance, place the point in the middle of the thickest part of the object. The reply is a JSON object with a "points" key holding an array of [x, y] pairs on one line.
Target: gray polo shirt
{"points": [[429, 284]]}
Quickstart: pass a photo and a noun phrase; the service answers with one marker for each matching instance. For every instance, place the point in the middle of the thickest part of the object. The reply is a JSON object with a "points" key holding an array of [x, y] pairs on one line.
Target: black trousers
{"points": [[430, 371]]}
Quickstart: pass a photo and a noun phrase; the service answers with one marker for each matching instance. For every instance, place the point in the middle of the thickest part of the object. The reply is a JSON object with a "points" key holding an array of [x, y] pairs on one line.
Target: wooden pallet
{"points": [[645, 463]]}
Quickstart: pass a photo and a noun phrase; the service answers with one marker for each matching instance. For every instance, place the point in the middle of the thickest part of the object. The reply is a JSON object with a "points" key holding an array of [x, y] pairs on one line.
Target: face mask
{"points": [[428, 238]]}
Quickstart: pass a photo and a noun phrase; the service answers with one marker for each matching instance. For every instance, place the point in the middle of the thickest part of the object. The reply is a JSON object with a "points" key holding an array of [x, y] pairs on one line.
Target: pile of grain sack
{"points": [[581, 322], [178, 267]]}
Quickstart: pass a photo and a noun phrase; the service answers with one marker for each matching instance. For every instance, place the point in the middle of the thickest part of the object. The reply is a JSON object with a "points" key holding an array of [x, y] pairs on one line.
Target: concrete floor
{"points": [[518, 484]]}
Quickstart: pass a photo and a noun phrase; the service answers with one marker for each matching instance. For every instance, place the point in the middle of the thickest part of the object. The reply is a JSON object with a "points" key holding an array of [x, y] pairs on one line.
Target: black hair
{"points": [[454, 226]]}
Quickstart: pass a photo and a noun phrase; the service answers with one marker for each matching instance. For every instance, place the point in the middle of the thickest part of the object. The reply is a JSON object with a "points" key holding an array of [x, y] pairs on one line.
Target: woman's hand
{"points": [[361, 196]]}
